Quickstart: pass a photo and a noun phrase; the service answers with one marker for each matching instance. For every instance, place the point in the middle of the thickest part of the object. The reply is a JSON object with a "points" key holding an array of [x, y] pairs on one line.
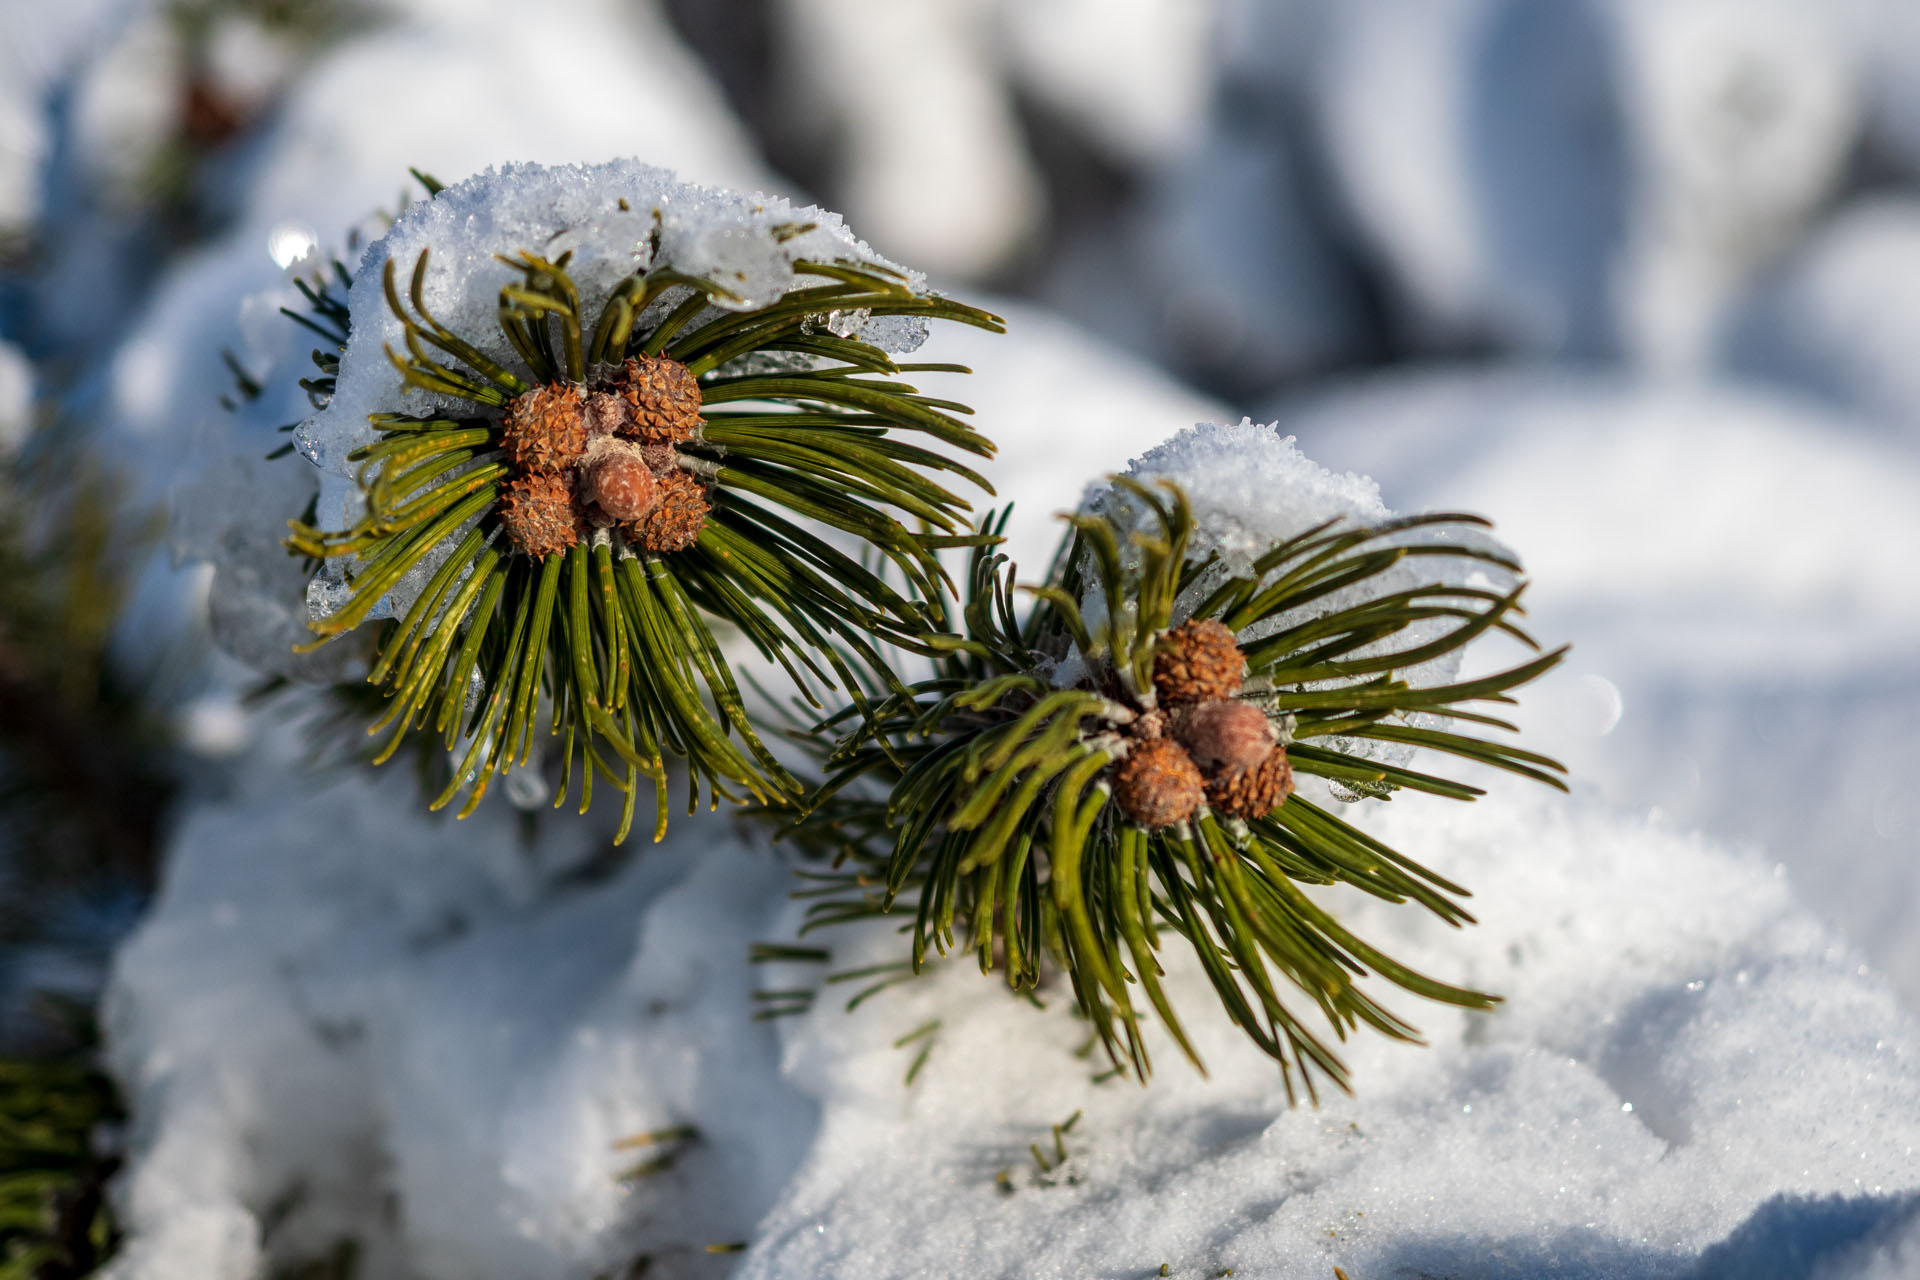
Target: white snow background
{"points": [[342, 1019]]}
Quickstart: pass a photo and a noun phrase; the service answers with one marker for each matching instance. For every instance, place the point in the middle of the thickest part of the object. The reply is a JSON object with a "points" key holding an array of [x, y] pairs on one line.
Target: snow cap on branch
{"points": [[615, 219]]}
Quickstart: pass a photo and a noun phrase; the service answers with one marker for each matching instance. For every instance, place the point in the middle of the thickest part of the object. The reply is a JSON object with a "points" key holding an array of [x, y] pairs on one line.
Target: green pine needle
{"points": [[982, 796], [609, 647]]}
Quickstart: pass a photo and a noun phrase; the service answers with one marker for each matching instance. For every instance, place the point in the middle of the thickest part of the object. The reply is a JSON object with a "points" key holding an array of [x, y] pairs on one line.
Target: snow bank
{"points": [[1683, 1053], [918, 105], [343, 1019]]}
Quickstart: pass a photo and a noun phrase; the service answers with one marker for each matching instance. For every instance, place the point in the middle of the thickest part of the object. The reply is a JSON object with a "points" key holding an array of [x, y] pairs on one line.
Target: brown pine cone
{"points": [[663, 399], [545, 429], [1225, 735], [1157, 785], [539, 516], [1255, 792], [1197, 661], [606, 413], [620, 484], [678, 514]]}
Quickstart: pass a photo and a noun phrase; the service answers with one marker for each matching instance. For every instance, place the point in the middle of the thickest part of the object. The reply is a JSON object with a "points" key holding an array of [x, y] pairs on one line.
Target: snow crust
{"points": [[1681, 1056]]}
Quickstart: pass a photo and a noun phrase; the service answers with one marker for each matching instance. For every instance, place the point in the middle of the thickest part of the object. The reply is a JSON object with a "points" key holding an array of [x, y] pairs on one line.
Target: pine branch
{"points": [[637, 472], [55, 1223], [1076, 782]]}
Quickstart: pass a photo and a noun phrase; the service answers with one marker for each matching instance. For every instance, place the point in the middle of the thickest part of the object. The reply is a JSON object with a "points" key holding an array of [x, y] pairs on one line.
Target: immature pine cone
{"points": [[545, 429], [606, 413], [538, 513], [620, 485], [1224, 736], [1157, 785], [663, 400], [1255, 792], [1197, 661], [678, 515]]}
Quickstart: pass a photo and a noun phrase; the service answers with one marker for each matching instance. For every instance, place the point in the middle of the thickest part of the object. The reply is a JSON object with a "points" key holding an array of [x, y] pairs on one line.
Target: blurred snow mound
{"points": [[1838, 319], [1587, 178]]}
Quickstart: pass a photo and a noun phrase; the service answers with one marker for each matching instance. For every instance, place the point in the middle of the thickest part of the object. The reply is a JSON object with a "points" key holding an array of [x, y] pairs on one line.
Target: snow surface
{"points": [[1683, 1054]]}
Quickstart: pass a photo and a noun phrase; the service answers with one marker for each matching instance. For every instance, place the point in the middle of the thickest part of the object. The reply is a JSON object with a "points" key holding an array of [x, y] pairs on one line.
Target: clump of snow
{"points": [[616, 218], [1250, 488]]}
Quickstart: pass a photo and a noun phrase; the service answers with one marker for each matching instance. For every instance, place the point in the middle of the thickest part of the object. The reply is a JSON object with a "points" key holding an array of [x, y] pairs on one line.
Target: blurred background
{"points": [[1638, 278]]}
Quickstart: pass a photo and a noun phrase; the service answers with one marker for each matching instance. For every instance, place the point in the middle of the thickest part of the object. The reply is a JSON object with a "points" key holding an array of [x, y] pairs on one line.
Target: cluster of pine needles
{"points": [[984, 799], [1080, 776], [610, 645]]}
